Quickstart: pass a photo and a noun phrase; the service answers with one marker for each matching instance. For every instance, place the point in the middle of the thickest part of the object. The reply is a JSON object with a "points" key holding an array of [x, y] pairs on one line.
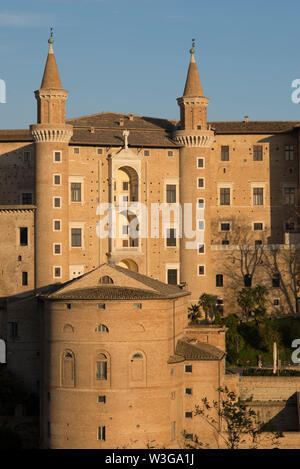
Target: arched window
{"points": [[68, 369], [101, 328], [68, 329], [101, 366], [105, 280], [2, 351], [137, 368]]}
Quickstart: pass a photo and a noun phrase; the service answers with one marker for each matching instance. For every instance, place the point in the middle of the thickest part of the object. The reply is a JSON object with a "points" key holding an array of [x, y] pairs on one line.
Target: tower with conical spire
{"points": [[193, 129], [195, 137], [51, 135]]}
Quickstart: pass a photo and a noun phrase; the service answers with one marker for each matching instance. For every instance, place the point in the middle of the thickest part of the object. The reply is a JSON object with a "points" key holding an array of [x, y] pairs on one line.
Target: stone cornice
{"points": [[51, 133], [194, 138]]}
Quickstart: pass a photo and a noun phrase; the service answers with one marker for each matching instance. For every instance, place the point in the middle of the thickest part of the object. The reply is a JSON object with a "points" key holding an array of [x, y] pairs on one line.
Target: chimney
{"points": [[92, 130], [131, 117], [121, 123], [246, 119]]}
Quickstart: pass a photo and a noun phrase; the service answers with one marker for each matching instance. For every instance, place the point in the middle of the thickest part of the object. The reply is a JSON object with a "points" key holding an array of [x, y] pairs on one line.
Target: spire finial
{"points": [[51, 40], [192, 50]]}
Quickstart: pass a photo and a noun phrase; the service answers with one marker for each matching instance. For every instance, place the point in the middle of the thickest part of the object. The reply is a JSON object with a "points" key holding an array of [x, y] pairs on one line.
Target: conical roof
{"points": [[51, 76], [193, 85]]}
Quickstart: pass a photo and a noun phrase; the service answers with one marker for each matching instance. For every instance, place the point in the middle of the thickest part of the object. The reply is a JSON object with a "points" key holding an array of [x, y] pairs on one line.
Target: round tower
{"points": [[196, 137], [51, 135]]}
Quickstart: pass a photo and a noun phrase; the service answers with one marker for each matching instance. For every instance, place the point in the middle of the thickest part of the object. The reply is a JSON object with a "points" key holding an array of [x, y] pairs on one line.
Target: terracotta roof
{"points": [[159, 290], [16, 135], [193, 85], [254, 127], [191, 349], [108, 292], [51, 78]]}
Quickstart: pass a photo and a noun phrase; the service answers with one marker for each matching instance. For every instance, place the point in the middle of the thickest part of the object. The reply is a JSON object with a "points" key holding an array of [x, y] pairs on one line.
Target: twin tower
{"points": [[52, 138]]}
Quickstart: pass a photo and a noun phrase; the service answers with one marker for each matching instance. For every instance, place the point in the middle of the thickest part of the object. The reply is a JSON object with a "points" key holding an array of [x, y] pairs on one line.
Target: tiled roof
{"points": [[159, 290], [191, 349], [252, 127], [105, 292], [16, 135]]}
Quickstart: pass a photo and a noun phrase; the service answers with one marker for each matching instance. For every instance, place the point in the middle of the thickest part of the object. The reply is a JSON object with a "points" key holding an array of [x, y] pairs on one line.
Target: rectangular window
{"points": [[276, 302], [276, 281], [56, 179], [200, 225], [225, 226], [137, 305], [99, 151], [57, 272], [201, 270], [76, 237], [23, 236], [188, 415], [258, 242], [125, 186], [102, 399], [201, 203], [101, 370], [219, 280], [24, 278], [201, 249], [173, 395], [101, 433], [257, 153], [225, 196], [225, 153], [188, 368], [188, 391], [27, 156], [57, 248], [258, 226], [171, 237], [76, 151], [13, 329], [200, 163], [289, 195], [75, 191], [225, 242], [201, 183], [258, 196], [172, 276], [170, 153], [57, 202], [56, 225], [173, 424], [146, 153], [27, 198], [57, 156], [101, 306], [289, 152], [171, 193]]}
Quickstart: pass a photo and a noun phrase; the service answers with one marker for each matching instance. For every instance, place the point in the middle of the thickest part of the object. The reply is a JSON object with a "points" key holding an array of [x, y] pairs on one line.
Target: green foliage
{"points": [[246, 340], [208, 304], [194, 313]]}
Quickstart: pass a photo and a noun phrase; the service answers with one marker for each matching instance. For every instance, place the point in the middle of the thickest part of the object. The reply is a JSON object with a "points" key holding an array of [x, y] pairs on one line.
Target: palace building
{"points": [[220, 200]]}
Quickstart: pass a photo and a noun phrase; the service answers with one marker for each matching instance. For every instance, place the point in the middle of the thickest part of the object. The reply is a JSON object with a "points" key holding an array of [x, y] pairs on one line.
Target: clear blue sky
{"points": [[132, 56]]}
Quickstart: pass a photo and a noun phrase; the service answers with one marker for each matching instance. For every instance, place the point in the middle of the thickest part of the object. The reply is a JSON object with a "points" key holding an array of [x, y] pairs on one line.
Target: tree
{"points": [[282, 266], [208, 304], [242, 426], [194, 313], [246, 301]]}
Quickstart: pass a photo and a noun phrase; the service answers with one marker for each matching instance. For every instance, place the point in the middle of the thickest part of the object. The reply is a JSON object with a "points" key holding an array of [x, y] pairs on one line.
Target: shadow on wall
{"points": [[280, 416]]}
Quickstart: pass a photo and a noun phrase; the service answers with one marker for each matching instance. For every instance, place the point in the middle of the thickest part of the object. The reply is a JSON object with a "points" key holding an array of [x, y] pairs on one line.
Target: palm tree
{"points": [[194, 313], [208, 304], [246, 301]]}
